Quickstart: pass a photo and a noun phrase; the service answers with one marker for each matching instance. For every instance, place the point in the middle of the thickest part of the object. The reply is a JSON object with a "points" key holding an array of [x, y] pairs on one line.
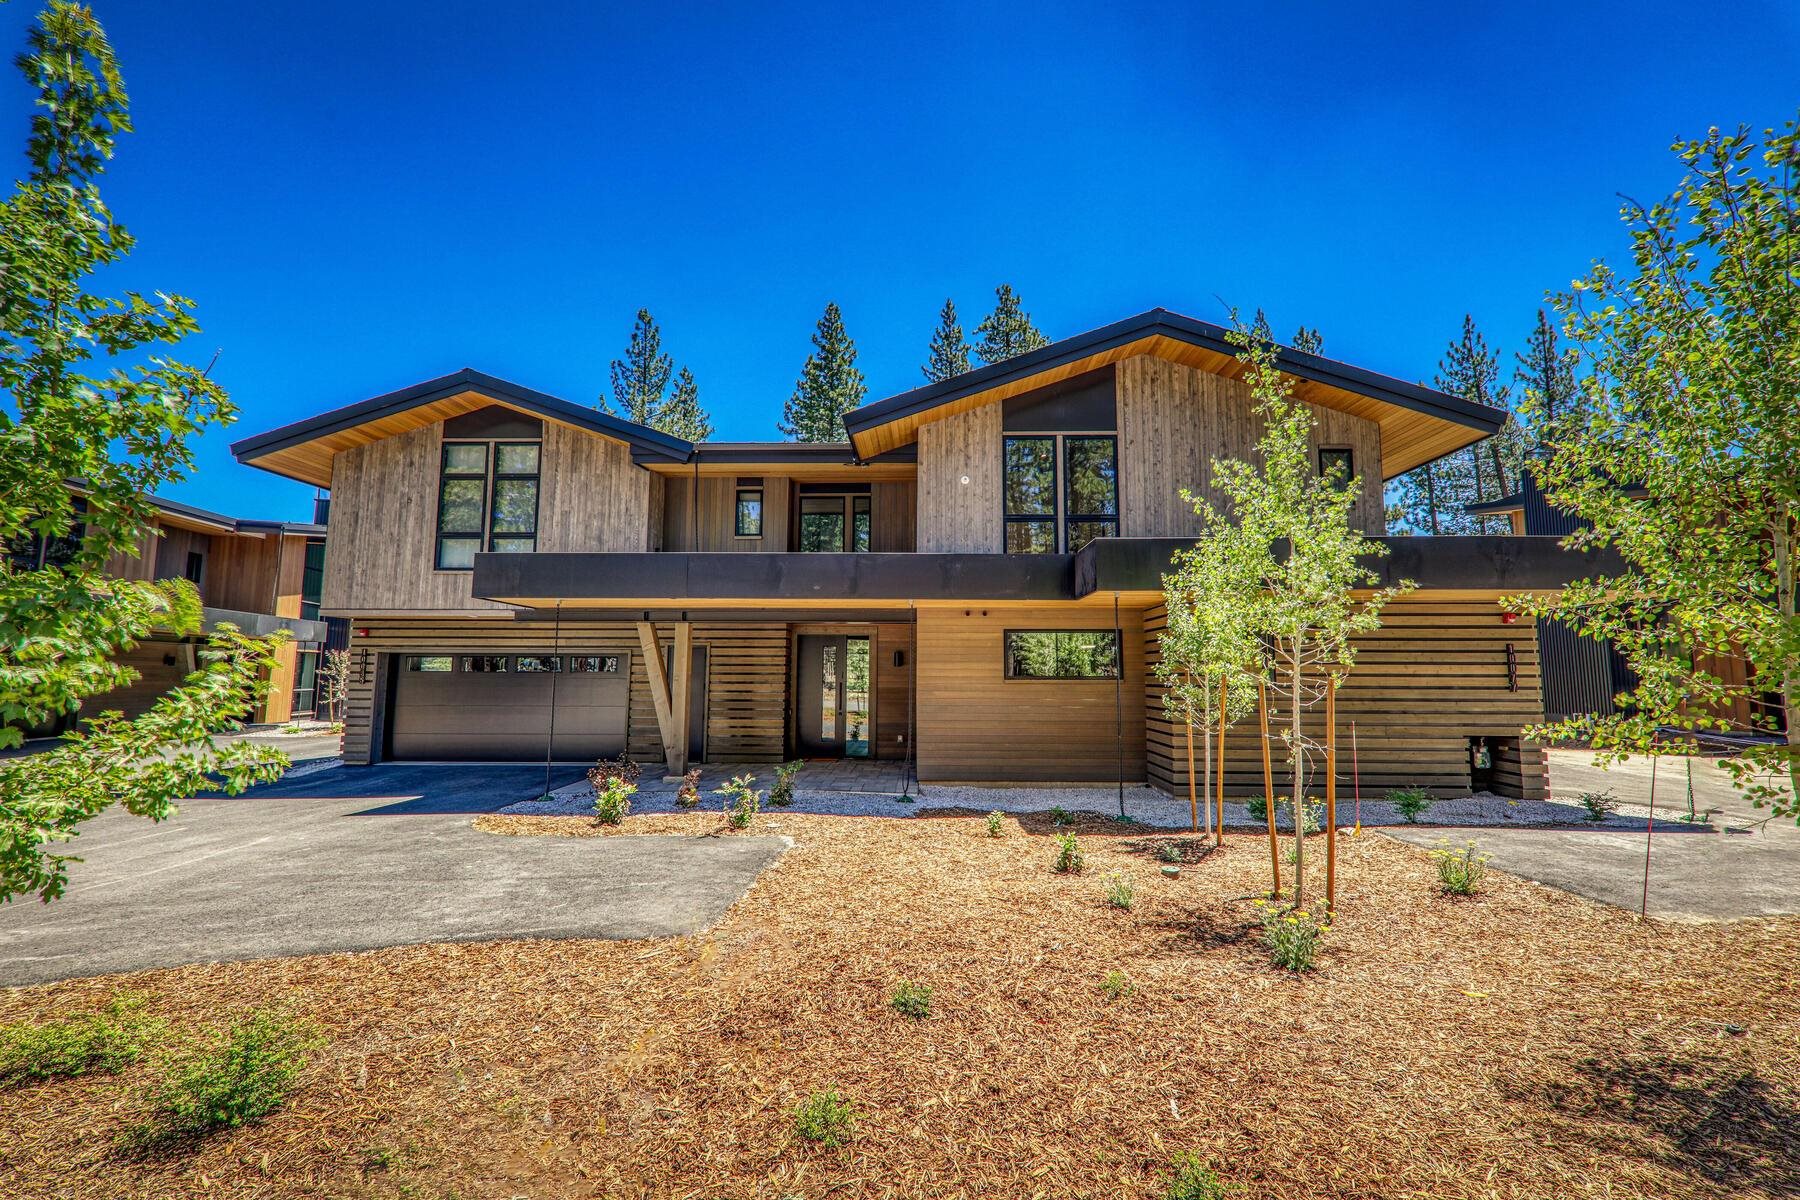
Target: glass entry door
{"points": [[833, 696]]}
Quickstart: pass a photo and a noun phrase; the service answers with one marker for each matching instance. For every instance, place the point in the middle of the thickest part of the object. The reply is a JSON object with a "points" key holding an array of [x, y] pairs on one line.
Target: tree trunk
{"points": [[1296, 761], [1787, 605], [1206, 734], [1431, 505]]}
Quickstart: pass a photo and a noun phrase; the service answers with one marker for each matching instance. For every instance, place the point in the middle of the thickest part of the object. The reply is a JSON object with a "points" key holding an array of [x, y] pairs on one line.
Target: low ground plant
{"points": [[1069, 859], [993, 823], [228, 1079], [90, 1044], [782, 793], [742, 800], [1190, 1178], [1459, 871], [911, 1000], [1120, 892], [688, 794], [1599, 805], [1061, 816], [1117, 985], [613, 801], [826, 1118], [620, 768], [1258, 809], [1410, 802], [1170, 852], [1293, 937]]}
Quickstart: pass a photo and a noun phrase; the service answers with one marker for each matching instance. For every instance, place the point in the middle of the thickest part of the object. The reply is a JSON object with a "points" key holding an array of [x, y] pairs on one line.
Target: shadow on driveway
{"points": [[419, 789]]}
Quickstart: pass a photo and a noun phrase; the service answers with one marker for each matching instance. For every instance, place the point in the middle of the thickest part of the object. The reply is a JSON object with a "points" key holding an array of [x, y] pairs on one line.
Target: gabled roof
{"points": [[1417, 423], [304, 449]]}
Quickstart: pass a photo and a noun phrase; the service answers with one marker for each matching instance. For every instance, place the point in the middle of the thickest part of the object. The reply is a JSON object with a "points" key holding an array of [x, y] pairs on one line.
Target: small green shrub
{"points": [[613, 801], [93, 1043], [993, 823], [1170, 852], [911, 1000], [1069, 859], [620, 768], [1599, 805], [1117, 985], [229, 1080], [1061, 816], [742, 800], [1293, 937], [825, 1118], [1120, 892], [688, 794], [782, 794], [1459, 871], [1190, 1178], [1258, 808], [1410, 802]]}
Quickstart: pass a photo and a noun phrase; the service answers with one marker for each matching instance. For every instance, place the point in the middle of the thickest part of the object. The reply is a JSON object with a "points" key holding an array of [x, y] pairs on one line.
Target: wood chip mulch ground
{"points": [[1523, 1043]]}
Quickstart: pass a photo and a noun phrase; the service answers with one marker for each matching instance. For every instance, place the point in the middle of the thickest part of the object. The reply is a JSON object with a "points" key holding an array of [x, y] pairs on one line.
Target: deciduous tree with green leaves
{"points": [[1286, 541], [1007, 332], [1683, 455], [949, 353], [63, 622], [829, 384]]}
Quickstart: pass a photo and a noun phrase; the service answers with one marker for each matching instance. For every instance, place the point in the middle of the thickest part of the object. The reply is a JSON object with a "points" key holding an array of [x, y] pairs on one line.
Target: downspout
{"points": [[911, 769], [1119, 702], [694, 507]]}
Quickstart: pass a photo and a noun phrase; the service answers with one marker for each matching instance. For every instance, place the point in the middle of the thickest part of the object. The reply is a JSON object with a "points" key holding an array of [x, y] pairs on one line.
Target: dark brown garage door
{"points": [[497, 707]]}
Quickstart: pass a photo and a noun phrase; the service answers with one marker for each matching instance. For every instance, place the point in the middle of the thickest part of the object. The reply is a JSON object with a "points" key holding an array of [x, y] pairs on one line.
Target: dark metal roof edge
{"points": [[1195, 332], [1503, 504], [640, 437], [833, 453]]}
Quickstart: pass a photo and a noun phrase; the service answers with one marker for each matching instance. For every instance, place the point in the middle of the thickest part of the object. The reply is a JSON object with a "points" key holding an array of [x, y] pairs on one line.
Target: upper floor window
{"points": [[1061, 491], [31, 550], [1337, 462], [834, 523], [749, 512], [487, 498]]}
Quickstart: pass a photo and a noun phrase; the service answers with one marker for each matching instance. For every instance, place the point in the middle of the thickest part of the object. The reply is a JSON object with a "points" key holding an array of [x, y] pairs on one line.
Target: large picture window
{"points": [[1062, 653], [834, 524], [1061, 491], [487, 498]]}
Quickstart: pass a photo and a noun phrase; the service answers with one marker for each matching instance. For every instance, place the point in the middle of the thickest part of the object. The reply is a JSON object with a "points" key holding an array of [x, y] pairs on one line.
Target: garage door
{"points": [[497, 707]]}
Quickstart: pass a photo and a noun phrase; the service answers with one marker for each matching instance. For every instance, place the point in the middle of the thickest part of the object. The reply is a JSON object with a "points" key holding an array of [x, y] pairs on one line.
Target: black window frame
{"points": [[414, 663], [1348, 459], [617, 661], [1118, 656], [753, 495], [855, 506], [1061, 518], [491, 476]]}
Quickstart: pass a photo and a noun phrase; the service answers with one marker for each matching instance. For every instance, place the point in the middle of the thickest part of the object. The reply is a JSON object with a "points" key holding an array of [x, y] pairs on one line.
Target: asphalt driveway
{"points": [[355, 859]]}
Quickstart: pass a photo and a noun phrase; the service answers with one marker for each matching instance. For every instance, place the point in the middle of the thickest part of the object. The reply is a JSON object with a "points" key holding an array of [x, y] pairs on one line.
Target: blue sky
{"points": [[361, 196]]}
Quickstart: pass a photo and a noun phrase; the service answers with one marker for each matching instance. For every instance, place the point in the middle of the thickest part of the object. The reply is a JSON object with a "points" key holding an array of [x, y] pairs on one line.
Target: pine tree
{"points": [[1309, 341], [641, 377], [1261, 330], [681, 414], [949, 355], [1546, 372], [829, 385], [1472, 371], [1007, 332]]}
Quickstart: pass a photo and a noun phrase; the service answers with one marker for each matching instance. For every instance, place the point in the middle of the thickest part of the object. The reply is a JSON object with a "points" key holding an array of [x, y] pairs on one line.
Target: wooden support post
{"points": [[1219, 788], [1262, 713], [1193, 797], [680, 693], [659, 688], [1331, 795]]}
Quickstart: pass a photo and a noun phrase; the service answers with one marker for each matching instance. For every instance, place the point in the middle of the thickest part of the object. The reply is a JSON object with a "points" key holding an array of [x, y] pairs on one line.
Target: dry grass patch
{"points": [[1522, 1043]]}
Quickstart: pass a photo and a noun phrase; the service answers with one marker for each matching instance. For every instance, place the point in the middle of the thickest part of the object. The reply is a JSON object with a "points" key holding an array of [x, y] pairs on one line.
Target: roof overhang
{"points": [[1417, 424], [801, 461], [304, 450]]}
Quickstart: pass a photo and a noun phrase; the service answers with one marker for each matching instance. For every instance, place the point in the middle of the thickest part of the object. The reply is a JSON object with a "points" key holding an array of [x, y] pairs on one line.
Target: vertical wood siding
{"points": [[1434, 675], [715, 529], [958, 518]]}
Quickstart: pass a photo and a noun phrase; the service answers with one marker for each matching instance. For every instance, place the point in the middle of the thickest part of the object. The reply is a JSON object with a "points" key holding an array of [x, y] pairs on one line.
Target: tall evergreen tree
{"points": [[1546, 372], [829, 385], [1309, 341], [642, 376], [681, 414], [1007, 332], [949, 355]]}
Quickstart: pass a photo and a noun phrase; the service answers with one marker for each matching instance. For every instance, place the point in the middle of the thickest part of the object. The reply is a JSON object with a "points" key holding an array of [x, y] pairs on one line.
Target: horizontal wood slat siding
{"points": [[975, 725], [746, 685], [1174, 420], [1433, 676], [958, 518], [380, 554]]}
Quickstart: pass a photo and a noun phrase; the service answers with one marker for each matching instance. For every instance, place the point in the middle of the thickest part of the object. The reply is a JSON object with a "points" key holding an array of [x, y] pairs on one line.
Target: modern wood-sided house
{"points": [[258, 575], [971, 583]]}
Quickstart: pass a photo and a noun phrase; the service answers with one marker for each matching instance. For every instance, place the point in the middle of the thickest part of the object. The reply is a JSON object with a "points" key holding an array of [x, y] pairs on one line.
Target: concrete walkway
{"points": [[1744, 864], [354, 859]]}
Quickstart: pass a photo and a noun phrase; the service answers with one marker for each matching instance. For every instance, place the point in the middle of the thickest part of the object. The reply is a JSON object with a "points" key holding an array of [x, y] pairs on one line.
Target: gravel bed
{"points": [[1142, 804]]}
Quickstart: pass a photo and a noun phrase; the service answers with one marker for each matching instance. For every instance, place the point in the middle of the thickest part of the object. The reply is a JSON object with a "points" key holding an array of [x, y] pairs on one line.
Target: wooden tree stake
{"points": [[1219, 791], [1331, 795], [1193, 799], [1262, 713]]}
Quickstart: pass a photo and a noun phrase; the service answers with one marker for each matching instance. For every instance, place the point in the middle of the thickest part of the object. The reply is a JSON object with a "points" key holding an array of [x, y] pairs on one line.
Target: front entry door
{"points": [[833, 696]]}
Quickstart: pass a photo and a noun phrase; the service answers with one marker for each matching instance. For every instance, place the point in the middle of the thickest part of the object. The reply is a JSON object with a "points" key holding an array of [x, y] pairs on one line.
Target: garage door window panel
{"points": [[484, 664]]}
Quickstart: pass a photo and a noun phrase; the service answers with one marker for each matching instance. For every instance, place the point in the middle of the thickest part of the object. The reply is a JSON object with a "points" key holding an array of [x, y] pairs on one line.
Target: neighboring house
{"points": [[259, 575], [1583, 675], [971, 583]]}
